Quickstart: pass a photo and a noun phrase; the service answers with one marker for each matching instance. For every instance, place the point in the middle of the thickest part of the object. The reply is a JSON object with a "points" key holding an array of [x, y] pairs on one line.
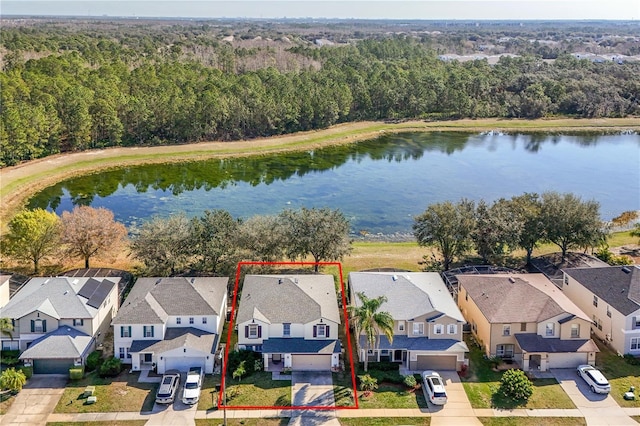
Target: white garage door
{"points": [[311, 362], [567, 360], [183, 363]]}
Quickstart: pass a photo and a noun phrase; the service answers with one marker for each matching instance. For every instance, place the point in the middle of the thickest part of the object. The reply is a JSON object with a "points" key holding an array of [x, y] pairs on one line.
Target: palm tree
{"points": [[6, 327], [366, 319]]}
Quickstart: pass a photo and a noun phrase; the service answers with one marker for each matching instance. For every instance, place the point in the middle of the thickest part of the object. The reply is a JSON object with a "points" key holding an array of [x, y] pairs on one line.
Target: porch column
{"points": [[265, 361]]}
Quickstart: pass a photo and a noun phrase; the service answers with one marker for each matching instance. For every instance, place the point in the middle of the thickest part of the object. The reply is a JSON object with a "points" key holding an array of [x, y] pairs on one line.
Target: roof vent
{"points": [[280, 280], [394, 277], [193, 280], [626, 270], [159, 280], [511, 280], [75, 281], [66, 292]]}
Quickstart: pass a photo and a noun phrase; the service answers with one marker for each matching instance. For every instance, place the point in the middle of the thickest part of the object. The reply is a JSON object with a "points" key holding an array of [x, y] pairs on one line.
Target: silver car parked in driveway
{"points": [[168, 387], [434, 388], [594, 378]]}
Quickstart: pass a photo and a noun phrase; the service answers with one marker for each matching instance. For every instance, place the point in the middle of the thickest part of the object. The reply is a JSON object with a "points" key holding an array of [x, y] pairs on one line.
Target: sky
{"points": [[357, 9]]}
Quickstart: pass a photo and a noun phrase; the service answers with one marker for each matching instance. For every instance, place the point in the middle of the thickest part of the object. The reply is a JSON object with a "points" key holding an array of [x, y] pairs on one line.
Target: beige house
{"points": [[611, 298], [527, 319], [427, 331]]}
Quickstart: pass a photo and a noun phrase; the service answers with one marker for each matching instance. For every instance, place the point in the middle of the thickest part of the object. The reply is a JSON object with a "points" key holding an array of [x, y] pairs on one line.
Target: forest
{"points": [[70, 88]]}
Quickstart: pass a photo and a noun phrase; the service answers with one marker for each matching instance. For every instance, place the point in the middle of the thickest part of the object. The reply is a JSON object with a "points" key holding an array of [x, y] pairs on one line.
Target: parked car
{"points": [[168, 387], [192, 386], [594, 378], [434, 388]]}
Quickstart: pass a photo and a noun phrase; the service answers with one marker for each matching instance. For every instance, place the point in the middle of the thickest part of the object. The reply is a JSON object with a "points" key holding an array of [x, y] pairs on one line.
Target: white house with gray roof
{"points": [[58, 319], [427, 331], [171, 323], [292, 319]]}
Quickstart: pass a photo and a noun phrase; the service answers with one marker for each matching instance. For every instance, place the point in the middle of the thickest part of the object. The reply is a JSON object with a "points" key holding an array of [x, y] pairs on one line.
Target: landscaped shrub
{"points": [[516, 385], [410, 381], [27, 371], [7, 354], [368, 384], [12, 379], [76, 373], [631, 359], [110, 368], [249, 358], [382, 366], [93, 360], [387, 376]]}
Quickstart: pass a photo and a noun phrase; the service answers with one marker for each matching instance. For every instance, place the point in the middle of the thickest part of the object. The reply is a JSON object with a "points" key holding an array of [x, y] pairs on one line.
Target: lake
{"points": [[379, 184]]}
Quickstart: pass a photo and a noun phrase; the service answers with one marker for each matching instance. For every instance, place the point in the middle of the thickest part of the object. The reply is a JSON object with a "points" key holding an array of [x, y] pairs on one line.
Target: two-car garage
{"points": [[434, 362], [311, 362], [184, 363], [52, 366]]}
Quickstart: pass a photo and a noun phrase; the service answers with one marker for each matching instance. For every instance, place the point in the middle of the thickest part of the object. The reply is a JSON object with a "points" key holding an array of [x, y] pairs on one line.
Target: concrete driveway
{"points": [[597, 409], [312, 389], [457, 411], [177, 413], [36, 401]]}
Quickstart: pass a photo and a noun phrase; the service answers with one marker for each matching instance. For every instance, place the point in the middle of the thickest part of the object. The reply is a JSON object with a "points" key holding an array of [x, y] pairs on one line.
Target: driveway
{"points": [[36, 400], [177, 413], [596, 408], [457, 411], [312, 389]]}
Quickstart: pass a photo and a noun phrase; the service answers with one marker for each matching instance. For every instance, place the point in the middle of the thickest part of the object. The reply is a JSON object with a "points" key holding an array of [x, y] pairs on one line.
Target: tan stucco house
{"points": [[610, 296], [527, 319]]}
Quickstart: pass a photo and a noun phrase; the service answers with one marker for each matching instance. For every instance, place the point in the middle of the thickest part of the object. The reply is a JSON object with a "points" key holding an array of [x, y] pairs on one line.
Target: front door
{"points": [[148, 358]]}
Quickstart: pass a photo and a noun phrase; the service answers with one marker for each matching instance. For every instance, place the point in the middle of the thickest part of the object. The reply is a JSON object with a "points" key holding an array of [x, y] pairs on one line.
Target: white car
{"points": [[168, 387], [434, 388], [192, 386], [594, 378]]}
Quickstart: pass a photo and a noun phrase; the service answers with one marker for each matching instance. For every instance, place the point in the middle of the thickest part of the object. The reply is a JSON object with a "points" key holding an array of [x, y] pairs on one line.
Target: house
{"points": [[611, 298], [292, 320], [527, 319], [5, 291], [171, 323], [427, 332], [57, 320]]}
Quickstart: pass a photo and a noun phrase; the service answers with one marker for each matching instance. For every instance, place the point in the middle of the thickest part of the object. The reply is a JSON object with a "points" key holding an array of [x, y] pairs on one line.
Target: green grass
{"points": [[532, 421], [122, 393], [636, 418], [101, 423], [258, 390], [284, 421], [5, 402], [370, 421], [620, 374], [208, 395]]}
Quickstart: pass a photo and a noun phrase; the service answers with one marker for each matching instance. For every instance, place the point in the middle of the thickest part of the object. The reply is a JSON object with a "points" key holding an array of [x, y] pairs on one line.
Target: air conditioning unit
{"points": [[608, 337]]}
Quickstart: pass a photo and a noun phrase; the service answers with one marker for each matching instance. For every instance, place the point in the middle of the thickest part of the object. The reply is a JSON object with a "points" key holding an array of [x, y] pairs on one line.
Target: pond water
{"points": [[379, 184]]}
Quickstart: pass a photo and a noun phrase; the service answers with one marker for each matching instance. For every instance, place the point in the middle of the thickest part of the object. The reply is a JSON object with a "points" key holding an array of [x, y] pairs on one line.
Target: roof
{"points": [[288, 299], [418, 344], [301, 346], [532, 342], [619, 286], [60, 297], [177, 338], [509, 298], [153, 300], [409, 294], [64, 342]]}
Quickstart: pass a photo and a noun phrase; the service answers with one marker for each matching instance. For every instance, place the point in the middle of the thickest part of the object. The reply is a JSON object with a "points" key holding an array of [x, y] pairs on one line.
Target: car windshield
{"points": [[192, 385], [440, 394], [436, 381], [597, 377], [167, 381]]}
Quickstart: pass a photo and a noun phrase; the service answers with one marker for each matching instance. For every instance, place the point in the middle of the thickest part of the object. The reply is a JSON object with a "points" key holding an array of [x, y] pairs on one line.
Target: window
{"points": [[178, 320], [636, 322], [608, 311], [595, 301], [466, 295], [321, 331], [191, 320], [38, 326], [253, 331], [452, 329], [286, 329], [204, 320], [504, 351], [550, 329], [10, 345], [575, 330], [599, 325], [523, 326], [506, 330], [418, 328], [78, 322], [122, 353], [635, 343], [125, 331], [147, 330], [566, 279], [400, 325], [438, 329]]}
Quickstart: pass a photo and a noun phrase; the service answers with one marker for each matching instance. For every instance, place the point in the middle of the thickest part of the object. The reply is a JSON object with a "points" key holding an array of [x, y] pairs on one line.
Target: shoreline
{"points": [[22, 181]]}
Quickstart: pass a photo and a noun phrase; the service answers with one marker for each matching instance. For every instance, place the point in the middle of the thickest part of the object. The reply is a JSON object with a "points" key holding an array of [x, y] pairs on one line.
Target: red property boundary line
{"points": [[231, 327]]}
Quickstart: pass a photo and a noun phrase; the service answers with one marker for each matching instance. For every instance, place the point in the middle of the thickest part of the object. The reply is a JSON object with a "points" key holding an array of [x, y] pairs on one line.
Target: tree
{"points": [[34, 235], [635, 232], [12, 379], [527, 207], [569, 222], [89, 232], [240, 371], [163, 245], [447, 226], [6, 327], [322, 233], [497, 230], [214, 238], [516, 385], [368, 384], [260, 237], [367, 319]]}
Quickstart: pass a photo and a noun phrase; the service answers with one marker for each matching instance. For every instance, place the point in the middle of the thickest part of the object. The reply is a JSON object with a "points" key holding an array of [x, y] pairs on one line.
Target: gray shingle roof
{"points": [[290, 298], [177, 338], [612, 284], [301, 346], [532, 342], [418, 344], [56, 296], [508, 298], [409, 294], [152, 300], [64, 342]]}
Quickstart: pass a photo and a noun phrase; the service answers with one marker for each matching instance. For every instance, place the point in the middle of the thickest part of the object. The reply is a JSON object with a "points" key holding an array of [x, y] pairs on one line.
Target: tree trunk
{"points": [[35, 267], [529, 253], [86, 262]]}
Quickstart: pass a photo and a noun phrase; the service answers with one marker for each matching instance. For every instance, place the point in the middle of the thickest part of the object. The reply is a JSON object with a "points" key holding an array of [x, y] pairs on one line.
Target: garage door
{"points": [[183, 363], [566, 360], [311, 362], [436, 362], [52, 366]]}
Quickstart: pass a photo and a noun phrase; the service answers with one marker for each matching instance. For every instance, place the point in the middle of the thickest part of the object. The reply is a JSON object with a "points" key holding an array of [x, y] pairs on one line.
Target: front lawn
{"points": [[121, 393], [284, 421], [258, 390], [620, 374], [532, 421], [390, 421], [208, 395]]}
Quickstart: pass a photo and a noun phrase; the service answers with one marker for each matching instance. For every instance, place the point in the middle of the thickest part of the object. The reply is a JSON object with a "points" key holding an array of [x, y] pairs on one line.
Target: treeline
{"points": [[71, 101]]}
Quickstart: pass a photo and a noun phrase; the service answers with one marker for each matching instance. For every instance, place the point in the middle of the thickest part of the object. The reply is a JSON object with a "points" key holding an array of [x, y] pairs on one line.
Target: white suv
{"points": [[594, 378], [434, 388], [168, 387], [192, 386]]}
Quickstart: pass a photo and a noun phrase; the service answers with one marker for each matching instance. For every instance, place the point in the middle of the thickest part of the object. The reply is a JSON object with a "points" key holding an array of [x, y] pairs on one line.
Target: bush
{"points": [[12, 379], [27, 371], [631, 359], [93, 360], [387, 376], [76, 373], [110, 368], [410, 381], [249, 358], [368, 384], [382, 366], [516, 385], [6, 354]]}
